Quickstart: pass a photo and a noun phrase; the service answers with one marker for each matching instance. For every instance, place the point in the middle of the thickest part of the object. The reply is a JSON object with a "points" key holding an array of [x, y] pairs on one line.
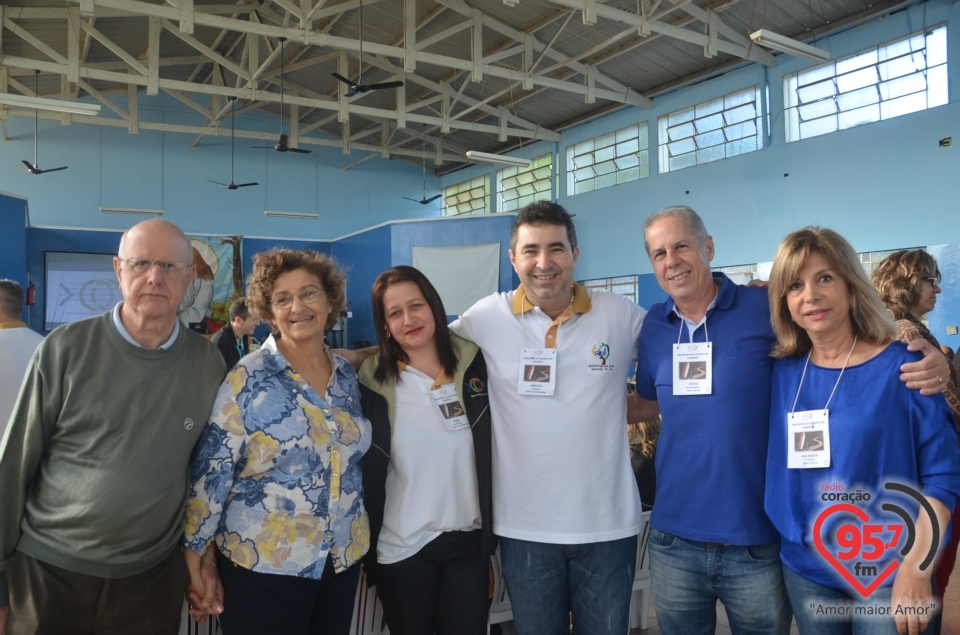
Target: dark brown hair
{"points": [[543, 213], [388, 351], [898, 279], [270, 265]]}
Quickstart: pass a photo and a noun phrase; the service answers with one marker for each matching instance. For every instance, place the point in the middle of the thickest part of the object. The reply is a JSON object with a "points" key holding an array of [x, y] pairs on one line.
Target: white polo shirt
{"points": [[561, 464]]}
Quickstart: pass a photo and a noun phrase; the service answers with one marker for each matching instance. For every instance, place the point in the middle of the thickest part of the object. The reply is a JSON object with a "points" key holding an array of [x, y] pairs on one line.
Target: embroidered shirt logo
{"points": [[475, 385], [188, 423], [601, 352]]}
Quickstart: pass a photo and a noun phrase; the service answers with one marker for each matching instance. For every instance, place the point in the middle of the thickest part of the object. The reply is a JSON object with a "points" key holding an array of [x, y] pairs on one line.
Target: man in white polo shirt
{"points": [[565, 499]]}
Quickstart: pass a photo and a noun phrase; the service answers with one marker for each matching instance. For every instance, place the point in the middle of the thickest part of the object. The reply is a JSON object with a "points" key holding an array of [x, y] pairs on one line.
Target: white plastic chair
{"points": [[500, 610], [367, 611], [640, 599]]}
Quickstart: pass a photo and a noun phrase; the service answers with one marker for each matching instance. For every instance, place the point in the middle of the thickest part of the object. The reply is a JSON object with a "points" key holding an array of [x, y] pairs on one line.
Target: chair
{"points": [[367, 611], [640, 599], [500, 609]]}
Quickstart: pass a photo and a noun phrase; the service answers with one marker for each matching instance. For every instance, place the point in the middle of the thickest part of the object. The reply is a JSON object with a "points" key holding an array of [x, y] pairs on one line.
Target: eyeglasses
{"points": [[141, 267], [934, 281], [310, 295]]}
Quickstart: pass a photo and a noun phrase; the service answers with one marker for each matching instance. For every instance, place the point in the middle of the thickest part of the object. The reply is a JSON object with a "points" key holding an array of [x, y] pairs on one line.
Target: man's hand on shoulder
{"points": [[356, 357], [931, 374], [4, 618], [639, 409]]}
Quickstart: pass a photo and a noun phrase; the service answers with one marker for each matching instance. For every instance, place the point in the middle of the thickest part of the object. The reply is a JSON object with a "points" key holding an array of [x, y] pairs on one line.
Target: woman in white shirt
{"points": [[426, 478]]}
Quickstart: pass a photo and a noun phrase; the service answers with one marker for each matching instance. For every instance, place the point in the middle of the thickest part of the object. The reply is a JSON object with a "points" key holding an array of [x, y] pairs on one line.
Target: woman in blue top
{"points": [[842, 427]]}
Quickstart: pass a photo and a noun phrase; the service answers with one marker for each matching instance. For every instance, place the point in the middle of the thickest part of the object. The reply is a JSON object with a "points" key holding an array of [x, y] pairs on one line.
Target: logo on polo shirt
{"points": [[600, 351], [188, 423]]}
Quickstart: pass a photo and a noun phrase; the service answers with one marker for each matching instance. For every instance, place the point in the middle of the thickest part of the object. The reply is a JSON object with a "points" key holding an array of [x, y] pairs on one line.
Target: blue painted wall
{"points": [[13, 239], [867, 182], [109, 167], [947, 311], [365, 256], [39, 241]]}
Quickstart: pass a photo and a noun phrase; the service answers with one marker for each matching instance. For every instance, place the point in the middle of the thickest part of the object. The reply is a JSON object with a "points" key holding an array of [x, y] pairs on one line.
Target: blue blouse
{"points": [[276, 481], [880, 431]]}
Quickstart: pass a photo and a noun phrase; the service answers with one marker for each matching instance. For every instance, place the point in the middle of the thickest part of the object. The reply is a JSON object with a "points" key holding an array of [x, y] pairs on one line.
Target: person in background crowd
{"points": [[835, 380], [908, 283], [706, 544], [233, 340], [643, 451], [948, 352], [94, 467], [276, 481], [566, 504], [17, 343], [427, 480]]}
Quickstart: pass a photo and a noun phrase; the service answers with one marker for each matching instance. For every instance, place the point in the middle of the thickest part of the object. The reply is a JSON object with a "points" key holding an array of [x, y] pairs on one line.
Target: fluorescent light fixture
{"points": [[131, 210], [57, 105], [291, 214], [486, 157], [777, 42]]}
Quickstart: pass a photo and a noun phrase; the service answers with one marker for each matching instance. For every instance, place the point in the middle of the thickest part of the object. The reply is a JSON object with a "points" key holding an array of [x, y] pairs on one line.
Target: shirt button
{"points": [[327, 411], [550, 336]]}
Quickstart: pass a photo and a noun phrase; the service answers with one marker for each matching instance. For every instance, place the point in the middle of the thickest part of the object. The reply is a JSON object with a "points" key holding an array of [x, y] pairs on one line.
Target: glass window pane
{"points": [[709, 107], [625, 176], [644, 163], [903, 105], [937, 47], [867, 114], [738, 99], [857, 61], [605, 154], [937, 86], [740, 130], [683, 161], [583, 186], [627, 147], [605, 140], [681, 132], [706, 124], [629, 161], [817, 127], [902, 66], [583, 147], [682, 147], [739, 147], [710, 154], [817, 91], [858, 98], [817, 109], [857, 79], [605, 168], [741, 113], [710, 139], [680, 116], [627, 133], [606, 180]]}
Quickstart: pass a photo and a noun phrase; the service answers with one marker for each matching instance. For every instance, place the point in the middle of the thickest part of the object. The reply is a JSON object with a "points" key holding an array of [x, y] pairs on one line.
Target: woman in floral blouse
{"points": [[276, 483]]}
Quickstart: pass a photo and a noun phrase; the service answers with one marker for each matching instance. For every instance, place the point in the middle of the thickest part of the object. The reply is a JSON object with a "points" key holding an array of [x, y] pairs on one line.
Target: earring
{"points": [[388, 335]]}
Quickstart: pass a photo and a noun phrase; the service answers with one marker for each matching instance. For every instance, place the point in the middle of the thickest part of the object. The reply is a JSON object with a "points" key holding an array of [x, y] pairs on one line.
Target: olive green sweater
{"points": [[94, 466]]}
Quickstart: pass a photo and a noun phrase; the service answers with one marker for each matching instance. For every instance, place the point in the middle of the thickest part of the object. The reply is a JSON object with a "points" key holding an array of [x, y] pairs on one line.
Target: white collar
{"points": [[126, 334]]}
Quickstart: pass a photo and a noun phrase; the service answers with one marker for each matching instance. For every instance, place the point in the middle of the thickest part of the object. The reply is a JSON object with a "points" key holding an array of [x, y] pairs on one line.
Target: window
{"points": [[888, 81], [624, 285], [615, 158], [740, 274], [717, 129], [469, 197], [516, 186]]}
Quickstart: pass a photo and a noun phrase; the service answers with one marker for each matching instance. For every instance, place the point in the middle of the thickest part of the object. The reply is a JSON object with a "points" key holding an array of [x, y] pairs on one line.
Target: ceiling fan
{"points": [[423, 163], [35, 168], [283, 145], [359, 87], [233, 124]]}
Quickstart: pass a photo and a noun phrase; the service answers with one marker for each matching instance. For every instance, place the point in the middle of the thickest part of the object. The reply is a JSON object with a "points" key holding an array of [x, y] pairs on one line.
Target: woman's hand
{"points": [[913, 596], [931, 374], [205, 593]]}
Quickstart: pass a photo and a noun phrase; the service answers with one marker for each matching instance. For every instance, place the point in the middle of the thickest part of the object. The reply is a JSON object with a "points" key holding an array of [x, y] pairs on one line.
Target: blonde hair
{"points": [[644, 435], [868, 316]]}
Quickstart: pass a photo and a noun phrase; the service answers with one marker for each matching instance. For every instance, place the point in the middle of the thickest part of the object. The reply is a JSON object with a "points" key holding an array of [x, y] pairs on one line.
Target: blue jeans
{"points": [[815, 607], [688, 577], [545, 581]]}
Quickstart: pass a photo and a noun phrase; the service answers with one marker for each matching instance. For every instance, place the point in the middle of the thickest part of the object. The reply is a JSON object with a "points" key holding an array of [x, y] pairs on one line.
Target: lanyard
{"points": [[683, 320], [804, 374]]}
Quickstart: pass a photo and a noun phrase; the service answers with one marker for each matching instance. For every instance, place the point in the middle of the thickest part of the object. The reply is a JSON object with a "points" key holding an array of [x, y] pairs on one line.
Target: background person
{"points": [[17, 343], [233, 340], [908, 282], [836, 351], [276, 482], [427, 486], [94, 467]]}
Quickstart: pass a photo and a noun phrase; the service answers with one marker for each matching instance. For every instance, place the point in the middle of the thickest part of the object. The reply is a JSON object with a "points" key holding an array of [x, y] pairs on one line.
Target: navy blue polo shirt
{"points": [[712, 452]]}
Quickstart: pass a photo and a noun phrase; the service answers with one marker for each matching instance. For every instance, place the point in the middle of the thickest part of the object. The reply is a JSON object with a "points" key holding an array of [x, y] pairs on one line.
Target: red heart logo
{"points": [[865, 591]]}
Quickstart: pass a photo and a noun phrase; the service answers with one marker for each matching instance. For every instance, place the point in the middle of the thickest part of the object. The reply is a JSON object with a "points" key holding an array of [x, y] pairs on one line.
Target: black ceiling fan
{"points": [[423, 164], [283, 145], [359, 86], [34, 168], [233, 124]]}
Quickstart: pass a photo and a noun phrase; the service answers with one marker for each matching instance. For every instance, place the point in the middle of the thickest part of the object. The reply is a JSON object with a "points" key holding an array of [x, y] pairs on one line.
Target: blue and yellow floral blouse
{"points": [[276, 481]]}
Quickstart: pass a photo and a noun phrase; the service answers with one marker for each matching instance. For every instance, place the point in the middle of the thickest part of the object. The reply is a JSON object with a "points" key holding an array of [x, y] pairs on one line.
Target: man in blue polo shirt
{"points": [[705, 357]]}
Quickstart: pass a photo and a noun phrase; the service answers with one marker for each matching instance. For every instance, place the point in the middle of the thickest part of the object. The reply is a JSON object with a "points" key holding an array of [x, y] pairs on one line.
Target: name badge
{"points": [[451, 410], [693, 368], [538, 371], [808, 439]]}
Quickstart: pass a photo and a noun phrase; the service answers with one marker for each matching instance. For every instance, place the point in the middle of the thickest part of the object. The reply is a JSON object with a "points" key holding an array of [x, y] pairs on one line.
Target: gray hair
{"points": [[686, 214], [11, 299]]}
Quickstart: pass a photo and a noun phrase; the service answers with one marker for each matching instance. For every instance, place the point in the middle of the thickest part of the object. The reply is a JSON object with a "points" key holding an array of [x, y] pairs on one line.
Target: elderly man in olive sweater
{"points": [[94, 466]]}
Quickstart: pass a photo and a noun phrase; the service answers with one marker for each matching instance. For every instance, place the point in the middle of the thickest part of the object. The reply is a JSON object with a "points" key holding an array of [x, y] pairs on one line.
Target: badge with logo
{"points": [[693, 368], [538, 371], [808, 439], [451, 410]]}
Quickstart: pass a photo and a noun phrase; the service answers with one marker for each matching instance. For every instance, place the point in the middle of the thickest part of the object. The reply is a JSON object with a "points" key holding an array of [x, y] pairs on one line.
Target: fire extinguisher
{"points": [[31, 294]]}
